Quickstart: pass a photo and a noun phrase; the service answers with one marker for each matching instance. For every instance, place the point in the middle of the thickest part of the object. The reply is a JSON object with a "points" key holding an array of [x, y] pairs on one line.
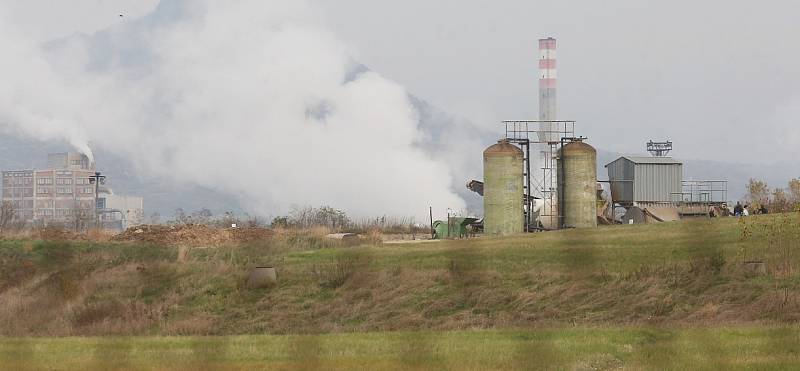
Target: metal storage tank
{"points": [[503, 193], [578, 176]]}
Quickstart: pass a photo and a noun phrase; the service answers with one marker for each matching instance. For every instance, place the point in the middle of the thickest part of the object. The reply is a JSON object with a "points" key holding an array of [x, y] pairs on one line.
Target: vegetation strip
{"points": [[601, 348]]}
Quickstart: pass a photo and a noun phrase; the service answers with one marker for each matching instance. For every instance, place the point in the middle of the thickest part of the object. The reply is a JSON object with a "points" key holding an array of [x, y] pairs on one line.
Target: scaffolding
{"points": [[547, 136], [704, 191]]}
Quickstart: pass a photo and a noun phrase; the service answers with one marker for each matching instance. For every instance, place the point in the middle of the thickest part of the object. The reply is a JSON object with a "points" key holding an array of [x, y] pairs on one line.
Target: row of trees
{"points": [[205, 216], [776, 199], [307, 217], [78, 219]]}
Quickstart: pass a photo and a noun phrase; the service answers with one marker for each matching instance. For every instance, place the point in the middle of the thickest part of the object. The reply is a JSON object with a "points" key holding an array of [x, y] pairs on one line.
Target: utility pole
{"points": [[433, 233], [97, 179]]}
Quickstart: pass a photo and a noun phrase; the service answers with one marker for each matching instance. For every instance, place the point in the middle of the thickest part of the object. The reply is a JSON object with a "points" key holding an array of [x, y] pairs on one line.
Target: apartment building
{"points": [[63, 194]]}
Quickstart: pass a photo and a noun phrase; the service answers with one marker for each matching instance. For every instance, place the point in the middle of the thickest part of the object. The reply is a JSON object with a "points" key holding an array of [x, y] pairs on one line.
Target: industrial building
{"points": [[64, 194], [560, 188], [562, 193], [638, 180], [119, 212], [652, 189]]}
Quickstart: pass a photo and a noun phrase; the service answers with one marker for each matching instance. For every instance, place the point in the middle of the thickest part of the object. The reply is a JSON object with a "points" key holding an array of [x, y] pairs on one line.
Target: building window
{"points": [[44, 212], [64, 181], [44, 181], [64, 190], [43, 191]]}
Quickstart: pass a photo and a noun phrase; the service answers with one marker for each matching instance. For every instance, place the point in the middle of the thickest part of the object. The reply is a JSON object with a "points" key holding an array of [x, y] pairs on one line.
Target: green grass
{"points": [[663, 296], [688, 273], [582, 349]]}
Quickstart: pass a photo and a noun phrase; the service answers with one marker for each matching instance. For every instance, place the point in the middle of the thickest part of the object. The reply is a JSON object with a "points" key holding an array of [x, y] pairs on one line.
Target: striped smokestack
{"points": [[547, 87]]}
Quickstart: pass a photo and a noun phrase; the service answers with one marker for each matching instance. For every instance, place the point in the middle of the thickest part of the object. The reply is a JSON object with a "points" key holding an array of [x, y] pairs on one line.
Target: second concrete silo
{"points": [[578, 185], [503, 193]]}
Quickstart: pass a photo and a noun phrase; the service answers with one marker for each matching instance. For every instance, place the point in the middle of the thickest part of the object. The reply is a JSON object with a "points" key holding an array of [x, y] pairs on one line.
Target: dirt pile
{"points": [[191, 235]]}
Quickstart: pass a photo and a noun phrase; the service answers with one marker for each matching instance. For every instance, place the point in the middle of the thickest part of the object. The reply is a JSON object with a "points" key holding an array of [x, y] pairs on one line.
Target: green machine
{"points": [[454, 227]]}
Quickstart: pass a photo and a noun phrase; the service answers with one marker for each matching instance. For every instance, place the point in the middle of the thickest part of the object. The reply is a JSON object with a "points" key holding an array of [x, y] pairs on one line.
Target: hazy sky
{"points": [[719, 78], [253, 98], [248, 79]]}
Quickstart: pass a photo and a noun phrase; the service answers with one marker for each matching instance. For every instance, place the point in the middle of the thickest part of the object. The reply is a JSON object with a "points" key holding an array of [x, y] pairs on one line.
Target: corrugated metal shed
{"points": [[645, 179]]}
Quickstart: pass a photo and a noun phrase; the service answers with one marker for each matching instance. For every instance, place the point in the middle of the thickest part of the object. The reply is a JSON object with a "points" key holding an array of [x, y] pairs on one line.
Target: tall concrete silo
{"points": [[503, 193], [578, 185]]}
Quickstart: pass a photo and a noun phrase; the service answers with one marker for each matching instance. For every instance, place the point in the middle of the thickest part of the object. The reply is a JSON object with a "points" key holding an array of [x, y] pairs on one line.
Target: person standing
{"points": [[738, 209]]}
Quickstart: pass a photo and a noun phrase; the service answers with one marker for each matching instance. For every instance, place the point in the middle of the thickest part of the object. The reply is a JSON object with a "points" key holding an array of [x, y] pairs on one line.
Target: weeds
{"points": [[14, 275], [98, 312], [607, 278], [63, 284], [708, 262], [334, 275]]}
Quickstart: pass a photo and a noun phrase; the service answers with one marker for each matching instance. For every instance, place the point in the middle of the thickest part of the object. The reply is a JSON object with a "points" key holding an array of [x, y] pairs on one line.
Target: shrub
{"points": [[98, 312], [716, 261], [64, 284], [16, 273], [709, 262], [334, 275]]}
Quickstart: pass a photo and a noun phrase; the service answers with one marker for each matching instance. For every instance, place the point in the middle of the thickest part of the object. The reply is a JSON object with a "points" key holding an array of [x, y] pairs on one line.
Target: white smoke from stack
{"points": [[250, 97]]}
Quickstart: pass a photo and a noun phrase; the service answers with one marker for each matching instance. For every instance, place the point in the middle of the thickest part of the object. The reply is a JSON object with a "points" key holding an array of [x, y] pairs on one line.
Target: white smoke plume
{"points": [[250, 97]]}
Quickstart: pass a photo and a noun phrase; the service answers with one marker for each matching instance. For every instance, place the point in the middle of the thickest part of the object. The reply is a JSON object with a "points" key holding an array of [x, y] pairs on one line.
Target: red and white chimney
{"points": [[547, 86]]}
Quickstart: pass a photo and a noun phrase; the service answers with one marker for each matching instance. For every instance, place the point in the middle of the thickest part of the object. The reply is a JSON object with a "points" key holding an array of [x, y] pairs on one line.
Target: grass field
{"points": [[580, 349], [688, 273], [575, 299]]}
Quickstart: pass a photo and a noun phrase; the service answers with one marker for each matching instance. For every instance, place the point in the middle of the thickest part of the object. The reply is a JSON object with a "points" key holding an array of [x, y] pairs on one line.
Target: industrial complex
{"points": [[542, 176], [70, 192]]}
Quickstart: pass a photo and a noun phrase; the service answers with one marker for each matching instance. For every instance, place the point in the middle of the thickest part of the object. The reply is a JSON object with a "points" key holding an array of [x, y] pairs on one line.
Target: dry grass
{"points": [[671, 274], [57, 234]]}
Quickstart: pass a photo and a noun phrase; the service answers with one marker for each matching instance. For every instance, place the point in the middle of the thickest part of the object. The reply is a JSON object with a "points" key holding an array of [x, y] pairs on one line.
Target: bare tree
{"points": [[324, 216], [757, 193], [253, 221], [181, 217], [80, 217], [7, 214], [794, 191], [202, 216], [229, 219], [780, 201]]}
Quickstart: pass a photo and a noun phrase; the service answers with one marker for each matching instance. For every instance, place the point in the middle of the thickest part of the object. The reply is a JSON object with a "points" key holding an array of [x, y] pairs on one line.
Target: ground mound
{"points": [[720, 272], [191, 235]]}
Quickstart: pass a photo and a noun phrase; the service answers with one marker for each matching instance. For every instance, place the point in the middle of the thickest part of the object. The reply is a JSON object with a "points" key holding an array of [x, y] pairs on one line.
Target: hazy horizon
{"points": [[203, 92]]}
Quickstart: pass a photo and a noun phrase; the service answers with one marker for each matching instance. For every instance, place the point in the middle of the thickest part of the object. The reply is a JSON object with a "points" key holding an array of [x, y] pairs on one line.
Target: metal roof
{"points": [[649, 160]]}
